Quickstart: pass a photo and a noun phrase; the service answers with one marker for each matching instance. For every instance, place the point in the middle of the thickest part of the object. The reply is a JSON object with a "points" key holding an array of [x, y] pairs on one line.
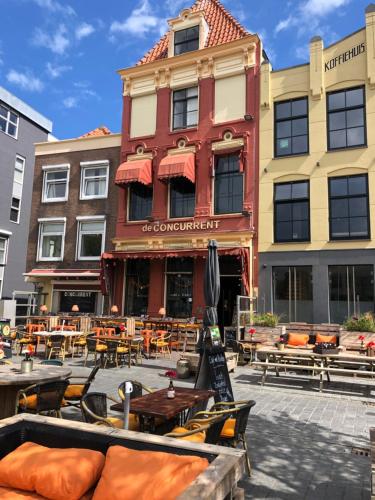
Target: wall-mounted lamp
{"points": [[318, 163], [114, 309], [43, 309], [265, 170]]}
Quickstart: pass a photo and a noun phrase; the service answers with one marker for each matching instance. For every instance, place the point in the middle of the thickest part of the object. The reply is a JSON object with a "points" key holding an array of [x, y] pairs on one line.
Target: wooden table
{"points": [[157, 405], [12, 380], [69, 335], [252, 345]]}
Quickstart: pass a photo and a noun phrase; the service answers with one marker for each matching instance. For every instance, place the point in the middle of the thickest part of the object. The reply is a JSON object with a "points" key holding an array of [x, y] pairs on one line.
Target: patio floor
{"points": [[301, 441]]}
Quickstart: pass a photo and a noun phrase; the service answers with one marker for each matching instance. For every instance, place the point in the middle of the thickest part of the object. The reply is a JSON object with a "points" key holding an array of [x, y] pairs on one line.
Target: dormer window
{"points": [[186, 40]]}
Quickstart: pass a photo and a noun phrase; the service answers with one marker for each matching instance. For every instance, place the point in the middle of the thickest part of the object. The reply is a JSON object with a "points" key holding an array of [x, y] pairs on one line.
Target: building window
{"points": [[186, 40], [228, 185], [140, 201], [51, 240], [3, 251], [94, 181], [15, 207], [292, 211], [291, 127], [185, 108], [91, 238], [346, 118], [348, 208], [179, 274], [8, 121], [137, 286], [182, 197], [55, 184]]}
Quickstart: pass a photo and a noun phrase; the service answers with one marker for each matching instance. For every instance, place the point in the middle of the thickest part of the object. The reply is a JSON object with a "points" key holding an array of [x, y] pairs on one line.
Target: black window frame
{"points": [[236, 173], [184, 113], [187, 41], [291, 118], [187, 269], [131, 186], [291, 201], [132, 271], [340, 110], [172, 210], [348, 196]]}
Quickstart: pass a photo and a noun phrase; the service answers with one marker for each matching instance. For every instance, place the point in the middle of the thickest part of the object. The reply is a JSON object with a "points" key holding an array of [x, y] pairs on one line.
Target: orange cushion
{"points": [[199, 437], [74, 391], [119, 423], [30, 403], [13, 494], [298, 339], [130, 474], [326, 338], [54, 473], [228, 428], [101, 347]]}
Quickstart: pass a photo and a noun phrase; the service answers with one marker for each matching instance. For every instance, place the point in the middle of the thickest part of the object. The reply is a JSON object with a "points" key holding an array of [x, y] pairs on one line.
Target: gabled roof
{"points": [[97, 132], [223, 28]]}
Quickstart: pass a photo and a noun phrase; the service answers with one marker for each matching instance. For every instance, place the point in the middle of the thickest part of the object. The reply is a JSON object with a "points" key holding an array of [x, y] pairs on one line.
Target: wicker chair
{"points": [[161, 345], [200, 430], [95, 347], [138, 389], [56, 345], [94, 411], [42, 398], [23, 339], [76, 391], [79, 345]]}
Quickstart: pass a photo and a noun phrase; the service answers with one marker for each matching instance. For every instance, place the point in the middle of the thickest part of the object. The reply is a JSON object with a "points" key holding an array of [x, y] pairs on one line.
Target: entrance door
{"points": [[351, 291], [230, 287], [292, 293]]}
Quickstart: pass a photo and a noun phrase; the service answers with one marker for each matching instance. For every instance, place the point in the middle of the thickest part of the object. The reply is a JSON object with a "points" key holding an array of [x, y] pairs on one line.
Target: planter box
{"points": [[219, 480], [193, 358]]}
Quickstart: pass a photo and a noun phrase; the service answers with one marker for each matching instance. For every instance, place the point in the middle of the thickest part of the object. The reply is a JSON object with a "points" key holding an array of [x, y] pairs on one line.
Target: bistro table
{"points": [[156, 405], [12, 380], [68, 335]]}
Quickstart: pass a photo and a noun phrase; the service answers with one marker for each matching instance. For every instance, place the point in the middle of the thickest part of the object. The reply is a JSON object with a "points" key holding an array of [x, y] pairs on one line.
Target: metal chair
{"points": [[76, 391], [56, 345], [42, 398], [94, 411], [95, 347], [161, 345]]}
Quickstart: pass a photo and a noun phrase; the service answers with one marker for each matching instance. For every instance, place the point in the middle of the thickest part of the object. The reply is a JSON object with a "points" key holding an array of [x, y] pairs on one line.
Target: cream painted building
{"points": [[317, 182]]}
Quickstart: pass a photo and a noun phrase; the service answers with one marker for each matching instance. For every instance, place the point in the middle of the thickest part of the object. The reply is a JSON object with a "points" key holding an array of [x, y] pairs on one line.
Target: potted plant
{"points": [[362, 340], [27, 362], [370, 348], [281, 343]]}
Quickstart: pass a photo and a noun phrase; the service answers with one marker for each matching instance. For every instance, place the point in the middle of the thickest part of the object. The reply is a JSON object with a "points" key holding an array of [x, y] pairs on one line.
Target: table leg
{"points": [[8, 396]]}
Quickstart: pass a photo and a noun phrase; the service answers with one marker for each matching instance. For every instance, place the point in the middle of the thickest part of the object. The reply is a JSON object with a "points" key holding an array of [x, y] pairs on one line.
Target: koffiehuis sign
{"points": [[345, 57], [181, 226]]}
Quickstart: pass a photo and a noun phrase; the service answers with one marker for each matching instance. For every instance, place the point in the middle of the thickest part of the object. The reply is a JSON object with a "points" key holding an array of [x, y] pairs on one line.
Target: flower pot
{"points": [[26, 366], [281, 346]]}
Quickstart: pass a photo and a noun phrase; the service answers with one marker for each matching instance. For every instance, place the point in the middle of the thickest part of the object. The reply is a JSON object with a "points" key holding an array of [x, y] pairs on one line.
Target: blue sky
{"points": [[61, 57]]}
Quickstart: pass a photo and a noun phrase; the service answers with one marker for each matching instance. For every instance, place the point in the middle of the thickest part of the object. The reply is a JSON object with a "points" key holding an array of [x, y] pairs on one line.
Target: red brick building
{"points": [[188, 170]]}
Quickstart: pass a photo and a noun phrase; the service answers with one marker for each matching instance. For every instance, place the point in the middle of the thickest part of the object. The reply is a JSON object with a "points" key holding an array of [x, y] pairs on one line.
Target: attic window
{"points": [[186, 40]]}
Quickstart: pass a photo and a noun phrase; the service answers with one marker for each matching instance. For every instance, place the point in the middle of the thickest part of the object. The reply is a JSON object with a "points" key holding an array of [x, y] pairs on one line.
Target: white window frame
{"points": [[6, 240], [40, 239], [23, 160], [8, 120], [87, 165], [55, 168], [90, 218]]}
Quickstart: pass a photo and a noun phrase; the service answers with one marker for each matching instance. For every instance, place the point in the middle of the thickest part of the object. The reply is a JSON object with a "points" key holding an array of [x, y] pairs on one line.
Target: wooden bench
{"points": [[321, 370]]}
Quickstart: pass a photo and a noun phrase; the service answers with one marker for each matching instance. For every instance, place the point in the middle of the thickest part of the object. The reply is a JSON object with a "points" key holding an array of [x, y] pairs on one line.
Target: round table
{"points": [[12, 380]]}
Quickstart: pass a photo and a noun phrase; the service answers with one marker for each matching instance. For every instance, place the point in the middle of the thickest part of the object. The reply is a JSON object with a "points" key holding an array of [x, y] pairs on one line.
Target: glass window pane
{"points": [[354, 118], [95, 187], [339, 208], [354, 97], [340, 228], [18, 176], [336, 100], [91, 245], [192, 92], [283, 191], [92, 226], [300, 230], [180, 36], [55, 190], [358, 227], [300, 210], [51, 246], [179, 107], [300, 190], [182, 197], [178, 121], [55, 176], [356, 136], [299, 127], [137, 286], [14, 213], [339, 186], [179, 95], [12, 129], [357, 184], [358, 207], [192, 104], [191, 118], [284, 231], [283, 147], [13, 117], [51, 227], [17, 189], [299, 144], [95, 172], [283, 212], [283, 110], [337, 139], [140, 202], [299, 107], [3, 124], [3, 111], [337, 121], [283, 129]]}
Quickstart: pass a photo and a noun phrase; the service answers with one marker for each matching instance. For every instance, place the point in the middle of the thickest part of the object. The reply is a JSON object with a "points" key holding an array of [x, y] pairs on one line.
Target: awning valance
{"points": [[134, 171], [179, 165]]}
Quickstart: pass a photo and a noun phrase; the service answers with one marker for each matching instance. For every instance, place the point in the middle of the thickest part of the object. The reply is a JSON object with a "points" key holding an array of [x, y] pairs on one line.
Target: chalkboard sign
{"points": [[213, 373]]}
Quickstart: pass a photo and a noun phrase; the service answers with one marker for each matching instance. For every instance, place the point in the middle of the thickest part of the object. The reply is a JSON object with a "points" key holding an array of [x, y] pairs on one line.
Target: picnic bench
{"points": [[320, 364]]}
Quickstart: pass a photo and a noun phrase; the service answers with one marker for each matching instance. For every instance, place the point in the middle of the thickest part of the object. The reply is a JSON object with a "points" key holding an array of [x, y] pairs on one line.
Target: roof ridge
{"points": [[226, 12]]}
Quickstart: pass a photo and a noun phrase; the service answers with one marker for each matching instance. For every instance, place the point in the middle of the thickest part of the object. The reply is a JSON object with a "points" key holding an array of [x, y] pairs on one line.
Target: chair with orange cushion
{"points": [[161, 345], [98, 330], [43, 398], [147, 336], [75, 391], [201, 430], [94, 411], [95, 347], [192, 432], [110, 331]]}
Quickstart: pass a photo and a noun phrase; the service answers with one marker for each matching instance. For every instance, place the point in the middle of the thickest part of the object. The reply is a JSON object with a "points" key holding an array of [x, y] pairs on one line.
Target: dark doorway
{"points": [[230, 287]]}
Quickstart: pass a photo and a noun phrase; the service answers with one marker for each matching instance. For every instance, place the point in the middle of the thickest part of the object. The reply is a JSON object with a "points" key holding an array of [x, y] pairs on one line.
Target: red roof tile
{"points": [[97, 132], [223, 28]]}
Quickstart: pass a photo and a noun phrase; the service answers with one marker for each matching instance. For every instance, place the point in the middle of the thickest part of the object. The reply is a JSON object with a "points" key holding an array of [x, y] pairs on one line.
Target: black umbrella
{"points": [[211, 285]]}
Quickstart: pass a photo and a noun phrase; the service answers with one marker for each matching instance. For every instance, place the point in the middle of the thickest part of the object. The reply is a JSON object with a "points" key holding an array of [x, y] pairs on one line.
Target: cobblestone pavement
{"points": [[300, 440]]}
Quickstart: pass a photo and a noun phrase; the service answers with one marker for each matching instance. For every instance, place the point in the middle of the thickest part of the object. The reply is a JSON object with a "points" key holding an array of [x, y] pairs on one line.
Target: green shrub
{"points": [[363, 323], [266, 319]]}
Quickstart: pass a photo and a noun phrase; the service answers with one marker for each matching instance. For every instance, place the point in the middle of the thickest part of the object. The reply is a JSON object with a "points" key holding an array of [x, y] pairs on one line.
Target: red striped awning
{"points": [[134, 171], [180, 165]]}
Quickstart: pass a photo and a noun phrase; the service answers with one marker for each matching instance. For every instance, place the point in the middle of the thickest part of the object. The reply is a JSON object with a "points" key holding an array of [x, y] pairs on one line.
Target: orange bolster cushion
{"points": [[298, 339], [326, 338], [154, 475], [54, 473], [14, 494]]}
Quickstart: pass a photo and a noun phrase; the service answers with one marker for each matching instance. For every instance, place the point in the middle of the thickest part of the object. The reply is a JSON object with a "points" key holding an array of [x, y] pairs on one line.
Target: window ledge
{"points": [[346, 240], [56, 201], [291, 156], [182, 130], [296, 242], [350, 148]]}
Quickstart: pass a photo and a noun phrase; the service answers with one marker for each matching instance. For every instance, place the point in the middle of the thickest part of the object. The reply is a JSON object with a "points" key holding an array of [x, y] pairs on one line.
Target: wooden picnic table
{"points": [[156, 405], [322, 364]]}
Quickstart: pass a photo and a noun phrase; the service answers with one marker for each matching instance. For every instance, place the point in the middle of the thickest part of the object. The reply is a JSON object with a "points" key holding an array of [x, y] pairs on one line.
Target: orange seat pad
{"points": [[199, 437], [228, 428]]}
